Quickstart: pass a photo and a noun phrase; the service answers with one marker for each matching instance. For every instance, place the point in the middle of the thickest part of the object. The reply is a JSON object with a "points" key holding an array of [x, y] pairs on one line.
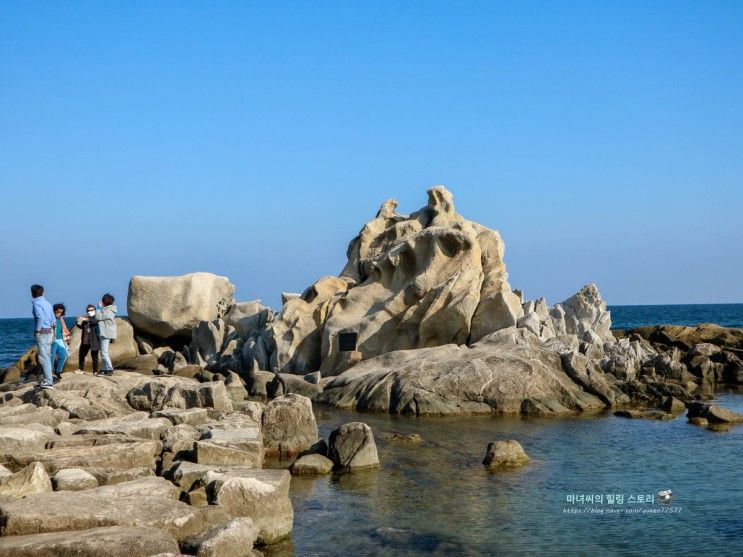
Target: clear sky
{"points": [[603, 139]]}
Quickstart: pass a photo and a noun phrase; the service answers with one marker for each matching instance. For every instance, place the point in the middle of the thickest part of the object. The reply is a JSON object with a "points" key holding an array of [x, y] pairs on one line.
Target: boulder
{"points": [[73, 479], [261, 495], [234, 539], [713, 413], [289, 425], [171, 306], [30, 480], [243, 447], [583, 315], [352, 447], [155, 395], [111, 541], [311, 464], [505, 454]]}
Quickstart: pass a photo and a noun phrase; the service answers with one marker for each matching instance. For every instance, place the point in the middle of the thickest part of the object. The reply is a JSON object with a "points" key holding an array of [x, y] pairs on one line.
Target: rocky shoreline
{"points": [[167, 455]]}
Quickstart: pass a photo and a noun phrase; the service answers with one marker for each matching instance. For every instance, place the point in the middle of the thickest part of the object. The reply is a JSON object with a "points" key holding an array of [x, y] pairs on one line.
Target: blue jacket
{"points": [[43, 314]]}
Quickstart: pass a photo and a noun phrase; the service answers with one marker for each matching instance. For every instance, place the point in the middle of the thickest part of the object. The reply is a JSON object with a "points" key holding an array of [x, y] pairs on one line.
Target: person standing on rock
{"points": [[61, 340], [106, 316], [44, 333], [90, 340]]}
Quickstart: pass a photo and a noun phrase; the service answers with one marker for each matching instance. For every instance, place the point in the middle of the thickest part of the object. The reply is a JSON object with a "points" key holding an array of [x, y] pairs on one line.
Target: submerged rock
{"points": [[505, 454], [352, 447]]}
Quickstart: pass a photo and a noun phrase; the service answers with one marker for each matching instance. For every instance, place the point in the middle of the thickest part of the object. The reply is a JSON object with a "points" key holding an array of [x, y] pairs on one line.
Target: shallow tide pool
{"points": [[436, 497]]}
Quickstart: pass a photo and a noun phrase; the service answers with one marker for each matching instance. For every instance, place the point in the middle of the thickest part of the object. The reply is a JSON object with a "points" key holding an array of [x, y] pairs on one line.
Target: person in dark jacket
{"points": [[90, 340]]}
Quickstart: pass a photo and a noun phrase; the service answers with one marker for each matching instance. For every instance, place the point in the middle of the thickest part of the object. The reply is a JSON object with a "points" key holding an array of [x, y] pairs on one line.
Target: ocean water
{"points": [[436, 498], [628, 317]]}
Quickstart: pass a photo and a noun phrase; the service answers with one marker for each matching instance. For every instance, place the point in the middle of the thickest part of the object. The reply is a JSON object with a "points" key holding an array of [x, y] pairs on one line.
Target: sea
{"points": [[591, 487]]}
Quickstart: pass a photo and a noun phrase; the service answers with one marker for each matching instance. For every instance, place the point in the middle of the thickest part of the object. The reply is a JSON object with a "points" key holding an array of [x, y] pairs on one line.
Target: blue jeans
{"points": [[59, 347], [107, 365], [44, 346]]}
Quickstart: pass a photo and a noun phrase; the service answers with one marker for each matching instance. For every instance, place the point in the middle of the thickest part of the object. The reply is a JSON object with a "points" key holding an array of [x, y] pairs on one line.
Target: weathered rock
{"points": [[248, 317], [169, 306], [412, 438], [311, 464], [507, 372], [189, 416], [30, 480], [243, 447], [261, 495], [508, 453], [584, 315], [673, 405], [113, 455], [109, 541], [289, 425], [138, 424], [697, 420], [713, 413], [73, 479], [155, 395], [352, 447], [116, 505], [234, 539], [113, 476]]}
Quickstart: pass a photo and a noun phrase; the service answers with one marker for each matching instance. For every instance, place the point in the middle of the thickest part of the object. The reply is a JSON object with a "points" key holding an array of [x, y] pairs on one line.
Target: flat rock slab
{"points": [[73, 479], [190, 416], [111, 541], [234, 539], [105, 506], [185, 474], [114, 455], [137, 425]]}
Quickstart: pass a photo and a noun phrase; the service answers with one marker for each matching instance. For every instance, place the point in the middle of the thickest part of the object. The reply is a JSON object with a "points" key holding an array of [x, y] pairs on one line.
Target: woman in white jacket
{"points": [[106, 315]]}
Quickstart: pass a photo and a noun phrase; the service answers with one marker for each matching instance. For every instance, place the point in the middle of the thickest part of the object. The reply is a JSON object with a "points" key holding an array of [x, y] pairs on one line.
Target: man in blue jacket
{"points": [[44, 333]]}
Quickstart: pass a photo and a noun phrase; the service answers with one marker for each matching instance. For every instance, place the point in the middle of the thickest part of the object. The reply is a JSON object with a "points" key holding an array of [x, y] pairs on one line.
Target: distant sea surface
{"points": [[629, 317], [16, 334]]}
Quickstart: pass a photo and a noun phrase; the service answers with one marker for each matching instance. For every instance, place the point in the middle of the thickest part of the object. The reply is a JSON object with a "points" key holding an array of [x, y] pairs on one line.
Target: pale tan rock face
{"points": [[410, 282], [169, 306]]}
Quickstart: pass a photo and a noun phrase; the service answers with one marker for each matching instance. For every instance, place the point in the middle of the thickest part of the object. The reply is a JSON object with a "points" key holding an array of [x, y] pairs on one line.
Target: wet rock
{"points": [[505, 454], [713, 413], [696, 420], [352, 447], [673, 405], [108, 541], [73, 479], [234, 539], [412, 438], [719, 427], [311, 464], [289, 425]]}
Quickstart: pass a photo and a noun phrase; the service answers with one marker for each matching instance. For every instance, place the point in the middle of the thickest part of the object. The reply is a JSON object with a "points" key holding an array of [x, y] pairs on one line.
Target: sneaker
{"points": [[79, 372], [46, 386]]}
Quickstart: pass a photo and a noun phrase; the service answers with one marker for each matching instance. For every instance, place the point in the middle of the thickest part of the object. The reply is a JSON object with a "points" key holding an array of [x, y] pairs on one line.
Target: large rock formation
{"points": [[508, 372], [170, 306], [415, 281]]}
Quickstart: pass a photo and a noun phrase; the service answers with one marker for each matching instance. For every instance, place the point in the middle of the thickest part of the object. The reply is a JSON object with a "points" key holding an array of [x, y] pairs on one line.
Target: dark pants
{"points": [[84, 349]]}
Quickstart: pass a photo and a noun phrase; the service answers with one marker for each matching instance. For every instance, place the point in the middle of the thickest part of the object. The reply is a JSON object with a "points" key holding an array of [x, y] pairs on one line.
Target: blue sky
{"points": [[604, 141]]}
